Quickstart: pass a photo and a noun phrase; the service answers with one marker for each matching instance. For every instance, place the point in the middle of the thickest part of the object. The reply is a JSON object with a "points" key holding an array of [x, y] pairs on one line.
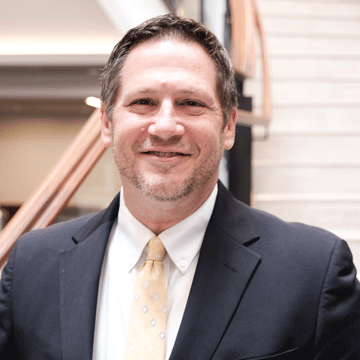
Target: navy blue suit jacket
{"points": [[263, 289]]}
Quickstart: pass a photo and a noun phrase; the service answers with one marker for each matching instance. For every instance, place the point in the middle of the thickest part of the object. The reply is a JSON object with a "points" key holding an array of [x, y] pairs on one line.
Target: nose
{"points": [[166, 123]]}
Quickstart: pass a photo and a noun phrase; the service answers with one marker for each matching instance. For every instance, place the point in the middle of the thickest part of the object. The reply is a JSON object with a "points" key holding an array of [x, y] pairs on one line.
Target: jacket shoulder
{"points": [[57, 236], [293, 234], [255, 227]]}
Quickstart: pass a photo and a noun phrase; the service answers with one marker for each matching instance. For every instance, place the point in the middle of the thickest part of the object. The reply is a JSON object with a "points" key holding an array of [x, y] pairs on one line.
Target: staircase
{"points": [[308, 168]]}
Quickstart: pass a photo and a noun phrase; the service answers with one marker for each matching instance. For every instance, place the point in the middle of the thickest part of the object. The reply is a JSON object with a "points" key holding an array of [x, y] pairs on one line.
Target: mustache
{"points": [[154, 140], [176, 143]]}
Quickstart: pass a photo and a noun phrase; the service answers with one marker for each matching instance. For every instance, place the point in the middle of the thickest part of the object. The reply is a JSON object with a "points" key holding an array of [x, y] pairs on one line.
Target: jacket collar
{"points": [[224, 269], [80, 269], [107, 215]]}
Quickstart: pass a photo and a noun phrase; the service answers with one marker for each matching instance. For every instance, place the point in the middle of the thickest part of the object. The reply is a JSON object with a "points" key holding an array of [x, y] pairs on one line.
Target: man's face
{"points": [[167, 129]]}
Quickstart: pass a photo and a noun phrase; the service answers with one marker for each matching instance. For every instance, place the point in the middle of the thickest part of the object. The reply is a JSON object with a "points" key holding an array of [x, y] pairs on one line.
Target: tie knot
{"points": [[156, 249]]}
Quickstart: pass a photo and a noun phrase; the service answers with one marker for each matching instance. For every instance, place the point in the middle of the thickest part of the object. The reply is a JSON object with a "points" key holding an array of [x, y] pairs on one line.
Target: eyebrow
{"points": [[184, 91]]}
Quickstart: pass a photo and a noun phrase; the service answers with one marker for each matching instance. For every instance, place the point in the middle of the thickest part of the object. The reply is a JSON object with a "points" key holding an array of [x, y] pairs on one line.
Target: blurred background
{"points": [[305, 164]]}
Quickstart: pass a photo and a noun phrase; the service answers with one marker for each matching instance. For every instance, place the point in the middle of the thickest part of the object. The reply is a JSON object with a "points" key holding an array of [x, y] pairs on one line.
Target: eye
{"points": [[144, 102], [191, 103]]}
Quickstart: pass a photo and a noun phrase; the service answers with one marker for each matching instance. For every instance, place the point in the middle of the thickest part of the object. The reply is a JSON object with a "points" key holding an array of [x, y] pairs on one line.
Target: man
{"points": [[241, 284]]}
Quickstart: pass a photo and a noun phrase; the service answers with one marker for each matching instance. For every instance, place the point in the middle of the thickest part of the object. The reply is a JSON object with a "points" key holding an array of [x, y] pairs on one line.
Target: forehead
{"points": [[155, 44], [169, 56]]}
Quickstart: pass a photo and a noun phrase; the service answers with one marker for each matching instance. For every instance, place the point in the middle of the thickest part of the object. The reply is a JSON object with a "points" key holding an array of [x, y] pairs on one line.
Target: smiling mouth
{"points": [[165, 154]]}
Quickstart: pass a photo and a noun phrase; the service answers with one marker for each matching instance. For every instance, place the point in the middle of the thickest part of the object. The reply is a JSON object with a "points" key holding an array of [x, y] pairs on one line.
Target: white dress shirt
{"points": [[126, 252]]}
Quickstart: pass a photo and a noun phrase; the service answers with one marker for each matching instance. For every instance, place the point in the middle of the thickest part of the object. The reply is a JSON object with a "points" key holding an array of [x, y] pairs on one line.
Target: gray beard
{"points": [[153, 191], [177, 191]]}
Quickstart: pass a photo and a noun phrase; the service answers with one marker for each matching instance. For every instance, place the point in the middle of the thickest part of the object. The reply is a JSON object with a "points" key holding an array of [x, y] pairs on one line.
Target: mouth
{"points": [[163, 154]]}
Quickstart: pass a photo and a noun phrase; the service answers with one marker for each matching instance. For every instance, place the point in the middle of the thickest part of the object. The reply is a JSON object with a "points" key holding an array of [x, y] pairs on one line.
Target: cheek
{"points": [[126, 140], [118, 142], [206, 138]]}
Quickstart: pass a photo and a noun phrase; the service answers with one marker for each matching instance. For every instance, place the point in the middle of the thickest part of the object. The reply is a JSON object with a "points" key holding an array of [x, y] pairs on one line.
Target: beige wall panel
{"points": [[320, 181], [313, 47], [305, 8], [305, 93], [338, 217], [315, 119], [100, 186], [29, 149], [300, 149], [322, 27], [311, 69], [308, 169]]}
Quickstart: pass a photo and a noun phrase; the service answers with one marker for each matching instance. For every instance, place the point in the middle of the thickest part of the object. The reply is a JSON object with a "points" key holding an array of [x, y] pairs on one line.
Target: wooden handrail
{"points": [[243, 37], [245, 22], [57, 188]]}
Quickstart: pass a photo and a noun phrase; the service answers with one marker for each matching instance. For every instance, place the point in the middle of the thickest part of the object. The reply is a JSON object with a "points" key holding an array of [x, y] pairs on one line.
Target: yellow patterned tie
{"points": [[147, 324]]}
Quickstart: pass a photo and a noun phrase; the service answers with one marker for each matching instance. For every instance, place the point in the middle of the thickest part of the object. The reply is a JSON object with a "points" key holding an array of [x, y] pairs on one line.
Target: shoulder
{"points": [[269, 225], [296, 244], [274, 239], [237, 219], [59, 236], [54, 237]]}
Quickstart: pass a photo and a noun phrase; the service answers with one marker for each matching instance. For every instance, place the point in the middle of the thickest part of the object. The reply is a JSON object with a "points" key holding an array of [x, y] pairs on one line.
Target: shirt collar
{"points": [[182, 241]]}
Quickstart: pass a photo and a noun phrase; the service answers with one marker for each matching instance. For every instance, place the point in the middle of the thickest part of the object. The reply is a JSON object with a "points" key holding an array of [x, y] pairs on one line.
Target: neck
{"points": [[161, 215]]}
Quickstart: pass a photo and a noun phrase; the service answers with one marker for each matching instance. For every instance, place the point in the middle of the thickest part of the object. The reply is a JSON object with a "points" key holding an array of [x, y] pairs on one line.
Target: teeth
{"points": [[165, 154]]}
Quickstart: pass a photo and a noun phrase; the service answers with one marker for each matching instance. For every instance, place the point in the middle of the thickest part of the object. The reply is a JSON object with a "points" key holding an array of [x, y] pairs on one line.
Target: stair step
{"points": [[325, 214], [307, 168], [329, 149], [313, 119], [277, 25], [313, 47], [310, 9], [307, 181], [310, 69], [306, 93]]}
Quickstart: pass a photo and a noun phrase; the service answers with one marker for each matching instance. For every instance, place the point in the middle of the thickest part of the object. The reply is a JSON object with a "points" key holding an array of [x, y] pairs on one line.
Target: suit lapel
{"points": [[80, 268], [224, 269]]}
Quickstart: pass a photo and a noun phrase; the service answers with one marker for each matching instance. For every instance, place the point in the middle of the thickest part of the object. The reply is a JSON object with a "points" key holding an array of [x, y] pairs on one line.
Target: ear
{"points": [[229, 130], [106, 127]]}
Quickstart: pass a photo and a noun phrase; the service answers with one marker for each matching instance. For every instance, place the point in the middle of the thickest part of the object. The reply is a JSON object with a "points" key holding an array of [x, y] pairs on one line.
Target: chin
{"points": [[165, 191]]}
